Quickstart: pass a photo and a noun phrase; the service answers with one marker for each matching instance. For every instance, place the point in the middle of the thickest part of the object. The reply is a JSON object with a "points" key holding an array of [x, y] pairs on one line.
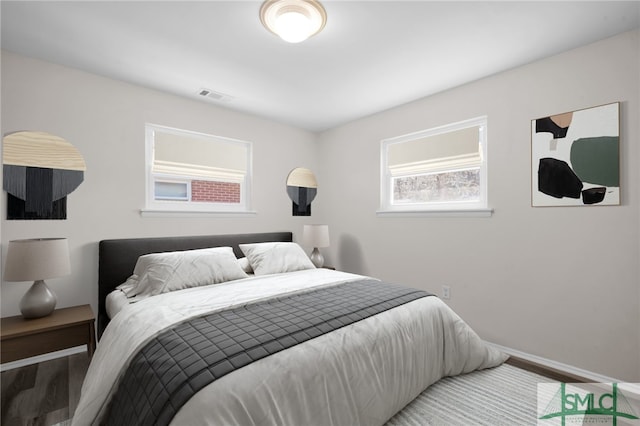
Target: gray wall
{"points": [[560, 283], [104, 119]]}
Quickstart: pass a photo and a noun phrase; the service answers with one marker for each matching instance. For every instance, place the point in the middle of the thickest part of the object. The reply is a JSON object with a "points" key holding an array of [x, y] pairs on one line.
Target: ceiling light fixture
{"points": [[293, 20]]}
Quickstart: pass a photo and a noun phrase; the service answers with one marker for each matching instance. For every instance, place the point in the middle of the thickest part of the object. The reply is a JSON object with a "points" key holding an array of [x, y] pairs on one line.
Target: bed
{"points": [[285, 343]]}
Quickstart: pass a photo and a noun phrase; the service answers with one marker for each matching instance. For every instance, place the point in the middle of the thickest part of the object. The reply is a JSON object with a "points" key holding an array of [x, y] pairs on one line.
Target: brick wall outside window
{"points": [[215, 192]]}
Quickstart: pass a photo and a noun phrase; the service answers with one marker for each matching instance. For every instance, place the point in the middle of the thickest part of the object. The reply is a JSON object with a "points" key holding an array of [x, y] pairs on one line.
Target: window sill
{"points": [[436, 213], [192, 213]]}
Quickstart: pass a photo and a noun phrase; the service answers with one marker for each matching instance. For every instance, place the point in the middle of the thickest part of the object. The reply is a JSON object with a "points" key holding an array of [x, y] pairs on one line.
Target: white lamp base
{"points": [[38, 302], [316, 258]]}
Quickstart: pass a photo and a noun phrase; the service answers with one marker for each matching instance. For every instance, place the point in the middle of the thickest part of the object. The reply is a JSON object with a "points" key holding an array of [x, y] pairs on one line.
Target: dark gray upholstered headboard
{"points": [[117, 258]]}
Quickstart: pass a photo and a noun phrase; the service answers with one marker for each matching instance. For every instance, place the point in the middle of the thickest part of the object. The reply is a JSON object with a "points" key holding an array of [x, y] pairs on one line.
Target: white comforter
{"points": [[361, 374]]}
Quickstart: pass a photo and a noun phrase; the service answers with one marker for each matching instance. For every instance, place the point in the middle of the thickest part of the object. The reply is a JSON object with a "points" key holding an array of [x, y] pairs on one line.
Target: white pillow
{"points": [[275, 258], [158, 273], [244, 264]]}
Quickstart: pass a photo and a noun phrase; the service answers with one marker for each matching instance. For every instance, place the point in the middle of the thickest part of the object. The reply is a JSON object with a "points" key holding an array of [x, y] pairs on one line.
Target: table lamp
{"points": [[37, 259], [316, 236]]}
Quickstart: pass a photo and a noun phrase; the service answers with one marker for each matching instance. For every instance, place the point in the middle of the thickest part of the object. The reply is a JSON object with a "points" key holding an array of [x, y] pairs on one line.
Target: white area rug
{"points": [[504, 395]]}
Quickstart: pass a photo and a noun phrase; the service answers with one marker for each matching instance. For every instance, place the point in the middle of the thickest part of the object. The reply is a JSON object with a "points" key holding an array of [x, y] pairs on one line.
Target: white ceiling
{"points": [[371, 56]]}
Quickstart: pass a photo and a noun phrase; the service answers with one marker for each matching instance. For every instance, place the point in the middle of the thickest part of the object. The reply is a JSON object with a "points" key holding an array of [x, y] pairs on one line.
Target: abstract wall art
{"points": [[575, 158], [302, 188], [39, 171]]}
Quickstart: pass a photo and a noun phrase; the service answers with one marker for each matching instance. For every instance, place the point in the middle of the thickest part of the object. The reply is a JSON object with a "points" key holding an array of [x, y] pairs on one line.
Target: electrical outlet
{"points": [[446, 292]]}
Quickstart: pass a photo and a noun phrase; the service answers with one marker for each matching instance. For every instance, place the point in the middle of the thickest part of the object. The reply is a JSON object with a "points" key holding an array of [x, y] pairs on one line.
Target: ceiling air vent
{"points": [[215, 96]]}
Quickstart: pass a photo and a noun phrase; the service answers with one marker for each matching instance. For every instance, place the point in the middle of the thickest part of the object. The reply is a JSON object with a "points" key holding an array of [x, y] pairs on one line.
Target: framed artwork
{"points": [[575, 158], [39, 171]]}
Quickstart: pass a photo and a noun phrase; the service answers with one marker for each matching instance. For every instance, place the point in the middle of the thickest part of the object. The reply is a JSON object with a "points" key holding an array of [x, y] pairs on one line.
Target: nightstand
{"points": [[64, 328]]}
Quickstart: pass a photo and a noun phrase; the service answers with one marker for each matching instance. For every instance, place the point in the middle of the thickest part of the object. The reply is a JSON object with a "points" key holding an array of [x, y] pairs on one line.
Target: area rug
{"points": [[504, 395]]}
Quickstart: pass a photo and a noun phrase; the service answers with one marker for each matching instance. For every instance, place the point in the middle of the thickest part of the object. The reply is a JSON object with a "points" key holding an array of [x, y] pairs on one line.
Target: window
{"points": [[439, 169], [195, 172]]}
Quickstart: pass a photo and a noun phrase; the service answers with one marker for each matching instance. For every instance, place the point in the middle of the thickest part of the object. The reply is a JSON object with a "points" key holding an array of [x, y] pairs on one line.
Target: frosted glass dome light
{"points": [[293, 20]]}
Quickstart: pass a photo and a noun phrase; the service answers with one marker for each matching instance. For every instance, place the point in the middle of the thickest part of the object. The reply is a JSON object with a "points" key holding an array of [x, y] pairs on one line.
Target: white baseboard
{"points": [[589, 375], [41, 358]]}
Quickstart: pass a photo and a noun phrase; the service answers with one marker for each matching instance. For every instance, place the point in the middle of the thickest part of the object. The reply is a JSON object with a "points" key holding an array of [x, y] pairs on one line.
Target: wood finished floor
{"points": [[42, 394]]}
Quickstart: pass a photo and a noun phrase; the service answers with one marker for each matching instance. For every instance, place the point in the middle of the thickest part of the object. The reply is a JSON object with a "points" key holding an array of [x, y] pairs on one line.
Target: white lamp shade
{"points": [[316, 235], [37, 259]]}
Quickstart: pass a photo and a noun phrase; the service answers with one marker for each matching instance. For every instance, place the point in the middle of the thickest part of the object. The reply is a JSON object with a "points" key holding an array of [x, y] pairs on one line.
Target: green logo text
{"points": [[567, 403]]}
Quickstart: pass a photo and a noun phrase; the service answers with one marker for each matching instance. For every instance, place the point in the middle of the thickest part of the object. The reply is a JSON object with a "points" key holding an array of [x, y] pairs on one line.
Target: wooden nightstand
{"points": [[64, 328]]}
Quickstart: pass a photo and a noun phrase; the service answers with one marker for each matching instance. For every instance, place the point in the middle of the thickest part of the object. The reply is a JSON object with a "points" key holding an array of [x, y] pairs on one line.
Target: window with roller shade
{"points": [[443, 168], [189, 171]]}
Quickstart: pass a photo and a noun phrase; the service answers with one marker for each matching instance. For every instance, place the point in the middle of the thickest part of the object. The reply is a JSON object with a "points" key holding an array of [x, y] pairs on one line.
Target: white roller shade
{"points": [[193, 156], [445, 151]]}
